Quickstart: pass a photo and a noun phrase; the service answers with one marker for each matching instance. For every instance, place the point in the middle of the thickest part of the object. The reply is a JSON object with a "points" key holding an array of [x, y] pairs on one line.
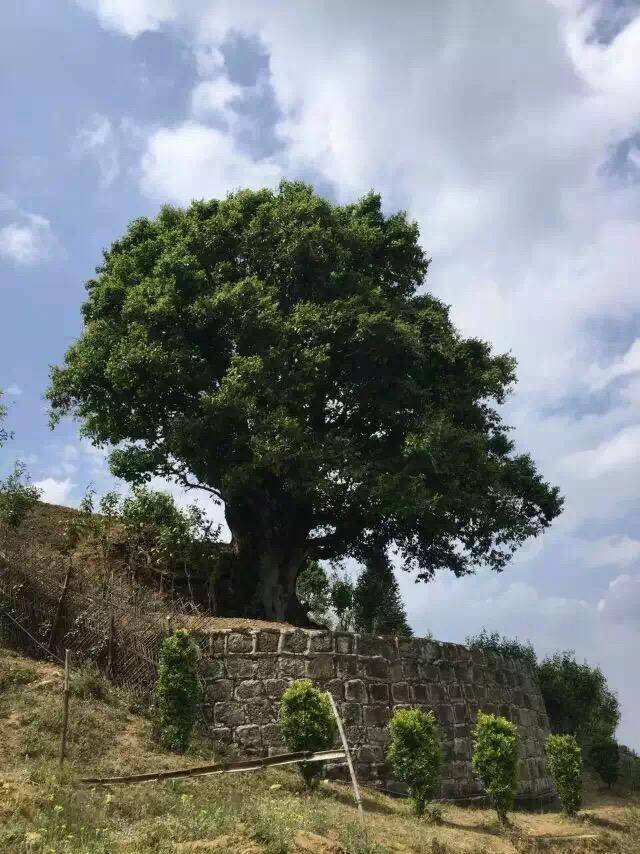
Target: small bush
{"points": [[495, 760], [605, 758], [415, 754], [308, 723], [564, 758], [495, 643], [177, 691]]}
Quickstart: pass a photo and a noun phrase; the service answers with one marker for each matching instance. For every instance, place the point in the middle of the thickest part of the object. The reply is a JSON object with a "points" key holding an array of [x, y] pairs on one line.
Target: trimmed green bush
{"points": [[415, 755], [495, 760], [308, 723], [604, 754], [564, 758], [177, 691]]}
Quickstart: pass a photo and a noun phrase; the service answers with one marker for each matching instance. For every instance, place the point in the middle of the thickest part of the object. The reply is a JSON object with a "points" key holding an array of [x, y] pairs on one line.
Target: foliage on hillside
{"points": [[264, 813]]}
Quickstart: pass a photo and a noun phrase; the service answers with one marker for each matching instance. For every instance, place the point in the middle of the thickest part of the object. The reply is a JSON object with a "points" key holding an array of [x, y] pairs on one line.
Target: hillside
{"points": [[41, 810]]}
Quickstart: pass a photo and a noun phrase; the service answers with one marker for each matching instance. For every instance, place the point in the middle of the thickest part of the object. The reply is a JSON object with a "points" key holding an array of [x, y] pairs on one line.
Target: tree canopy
{"points": [[280, 352]]}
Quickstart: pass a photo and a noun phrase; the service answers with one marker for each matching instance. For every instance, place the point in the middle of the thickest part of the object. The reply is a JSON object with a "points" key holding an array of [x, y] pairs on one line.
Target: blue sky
{"points": [[510, 132]]}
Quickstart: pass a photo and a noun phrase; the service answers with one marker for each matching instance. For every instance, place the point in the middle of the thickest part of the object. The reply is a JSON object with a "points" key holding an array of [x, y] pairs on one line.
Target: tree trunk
{"points": [[268, 552]]}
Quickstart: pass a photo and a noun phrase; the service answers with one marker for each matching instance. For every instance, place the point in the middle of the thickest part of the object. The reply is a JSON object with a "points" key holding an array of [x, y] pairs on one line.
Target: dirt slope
{"points": [[44, 811]]}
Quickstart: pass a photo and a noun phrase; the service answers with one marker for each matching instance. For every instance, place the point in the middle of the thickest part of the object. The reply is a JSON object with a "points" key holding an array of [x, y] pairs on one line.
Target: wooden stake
{"points": [[347, 753], [65, 716], [60, 606]]}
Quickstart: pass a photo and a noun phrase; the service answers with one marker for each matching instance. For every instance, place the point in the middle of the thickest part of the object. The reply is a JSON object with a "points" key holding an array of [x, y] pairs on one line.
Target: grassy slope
{"points": [[41, 810]]}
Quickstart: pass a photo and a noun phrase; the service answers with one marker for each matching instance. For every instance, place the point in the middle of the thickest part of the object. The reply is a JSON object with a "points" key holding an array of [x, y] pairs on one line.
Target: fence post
{"points": [[345, 744], [65, 716], [61, 599]]}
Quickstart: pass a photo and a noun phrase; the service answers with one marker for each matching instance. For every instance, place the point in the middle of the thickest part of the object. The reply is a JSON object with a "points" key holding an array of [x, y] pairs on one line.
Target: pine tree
{"points": [[378, 606]]}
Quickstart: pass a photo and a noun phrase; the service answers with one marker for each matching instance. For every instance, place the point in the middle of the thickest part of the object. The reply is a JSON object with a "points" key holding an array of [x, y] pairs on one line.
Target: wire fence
{"points": [[49, 603]]}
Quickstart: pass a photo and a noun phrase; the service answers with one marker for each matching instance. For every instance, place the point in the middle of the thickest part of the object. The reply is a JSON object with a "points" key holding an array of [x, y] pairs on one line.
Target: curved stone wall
{"points": [[246, 671]]}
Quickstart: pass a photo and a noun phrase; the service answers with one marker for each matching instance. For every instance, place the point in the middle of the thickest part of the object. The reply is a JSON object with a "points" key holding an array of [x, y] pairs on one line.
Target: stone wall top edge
{"points": [[446, 649]]}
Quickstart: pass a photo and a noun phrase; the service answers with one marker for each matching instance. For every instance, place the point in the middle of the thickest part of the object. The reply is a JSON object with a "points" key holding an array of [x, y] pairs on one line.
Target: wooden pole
{"points": [[60, 605], [347, 753], [218, 768], [65, 715]]}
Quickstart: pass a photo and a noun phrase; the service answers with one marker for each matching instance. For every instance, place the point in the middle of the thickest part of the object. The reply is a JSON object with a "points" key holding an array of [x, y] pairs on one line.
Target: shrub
{"points": [[342, 601], [604, 755], [308, 723], [495, 760], [564, 758], [177, 691], [577, 698], [415, 755], [18, 496], [513, 647]]}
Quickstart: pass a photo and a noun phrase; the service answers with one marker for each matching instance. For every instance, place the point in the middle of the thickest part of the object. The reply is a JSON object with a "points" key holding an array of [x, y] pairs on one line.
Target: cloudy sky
{"points": [[509, 130]]}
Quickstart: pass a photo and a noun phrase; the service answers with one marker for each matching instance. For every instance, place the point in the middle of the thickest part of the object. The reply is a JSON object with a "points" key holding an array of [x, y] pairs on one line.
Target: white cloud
{"points": [[13, 390], [55, 491], [628, 365], [27, 241], [193, 161], [98, 139], [214, 98], [619, 551], [131, 17], [622, 601]]}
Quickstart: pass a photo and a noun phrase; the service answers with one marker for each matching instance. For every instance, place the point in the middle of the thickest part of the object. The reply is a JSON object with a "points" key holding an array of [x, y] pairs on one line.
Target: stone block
{"points": [[351, 714], [320, 642], [410, 668], [378, 692], [321, 666], [267, 640], [275, 687], [260, 711], [454, 691], [242, 668], [336, 688], [239, 642], [295, 641], [212, 668], [400, 692], [344, 643], [376, 716], [347, 665], [409, 648], [249, 690], [377, 735], [228, 714], [374, 646], [291, 667], [355, 691], [445, 672], [371, 753], [267, 667], [249, 736], [418, 693], [376, 668], [221, 734], [217, 643], [220, 689]]}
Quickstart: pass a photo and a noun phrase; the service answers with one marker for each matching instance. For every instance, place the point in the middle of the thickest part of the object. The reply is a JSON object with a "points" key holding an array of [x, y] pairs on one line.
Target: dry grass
{"points": [[259, 813]]}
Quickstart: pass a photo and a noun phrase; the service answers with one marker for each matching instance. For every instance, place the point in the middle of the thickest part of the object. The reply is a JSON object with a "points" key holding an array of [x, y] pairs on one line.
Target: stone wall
{"points": [[246, 671]]}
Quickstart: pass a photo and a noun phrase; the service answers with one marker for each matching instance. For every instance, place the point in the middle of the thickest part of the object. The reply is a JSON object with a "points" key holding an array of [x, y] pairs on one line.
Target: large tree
{"points": [[280, 352]]}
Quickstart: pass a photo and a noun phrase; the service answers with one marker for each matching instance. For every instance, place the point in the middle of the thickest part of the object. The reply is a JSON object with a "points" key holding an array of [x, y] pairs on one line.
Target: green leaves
{"points": [[495, 760], [177, 691], [308, 723], [564, 758], [274, 348], [415, 754]]}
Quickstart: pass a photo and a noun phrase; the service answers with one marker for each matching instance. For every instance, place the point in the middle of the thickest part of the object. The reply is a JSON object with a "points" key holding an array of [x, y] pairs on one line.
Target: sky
{"points": [[509, 131]]}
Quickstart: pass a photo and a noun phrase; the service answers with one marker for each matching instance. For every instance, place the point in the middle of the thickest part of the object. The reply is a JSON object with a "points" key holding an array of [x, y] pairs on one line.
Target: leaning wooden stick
{"points": [[65, 715], [347, 753], [218, 768]]}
